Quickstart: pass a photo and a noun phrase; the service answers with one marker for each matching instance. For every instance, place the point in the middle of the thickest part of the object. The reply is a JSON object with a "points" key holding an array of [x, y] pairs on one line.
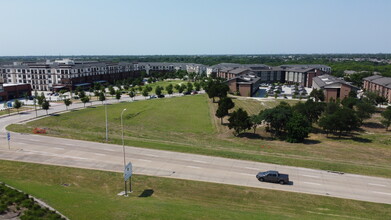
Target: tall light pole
{"points": [[123, 146], [107, 129]]}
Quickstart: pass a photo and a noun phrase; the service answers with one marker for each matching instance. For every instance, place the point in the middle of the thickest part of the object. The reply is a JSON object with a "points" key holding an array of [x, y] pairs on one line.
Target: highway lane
{"points": [[84, 154]]}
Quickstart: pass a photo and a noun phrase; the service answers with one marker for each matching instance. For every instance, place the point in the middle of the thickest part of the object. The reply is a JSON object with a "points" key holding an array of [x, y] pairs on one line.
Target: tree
{"points": [[298, 128], [277, 117], [102, 97], [181, 88], [255, 121], [177, 87], [67, 103], [158, 90], [169, 89], [342, 120], [318, 95], [197, 86], [40, 99], [118, 95], [132, 94], [312, 110], [189, 87], [85, 99], [82, 94], [364, 110], [239, 121], [145, 92], [111, 90], [349, 102], [225, 104], [387, 118], [352, 94], [45, 105], [17, 105]]}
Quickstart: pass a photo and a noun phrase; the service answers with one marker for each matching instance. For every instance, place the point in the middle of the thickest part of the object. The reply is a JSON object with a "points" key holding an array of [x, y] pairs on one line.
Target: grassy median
{"points": [[90, 194], [187, 124]]}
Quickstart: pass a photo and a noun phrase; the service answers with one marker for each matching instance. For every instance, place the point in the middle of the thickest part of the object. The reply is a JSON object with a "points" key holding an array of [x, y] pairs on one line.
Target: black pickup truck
{"points": [[273, 176]]}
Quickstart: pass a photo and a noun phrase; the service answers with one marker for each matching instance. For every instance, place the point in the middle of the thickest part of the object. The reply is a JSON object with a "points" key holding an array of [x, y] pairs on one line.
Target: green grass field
{"points": [[185, 124], [91, 194]]}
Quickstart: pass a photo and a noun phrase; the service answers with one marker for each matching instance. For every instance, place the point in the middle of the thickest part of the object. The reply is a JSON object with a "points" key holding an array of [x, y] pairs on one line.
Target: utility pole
{"points": [[107, 129]]}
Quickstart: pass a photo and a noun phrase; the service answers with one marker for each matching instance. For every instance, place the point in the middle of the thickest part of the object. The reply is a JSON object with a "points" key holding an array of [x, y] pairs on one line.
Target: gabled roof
{"points": [[326, 80]]}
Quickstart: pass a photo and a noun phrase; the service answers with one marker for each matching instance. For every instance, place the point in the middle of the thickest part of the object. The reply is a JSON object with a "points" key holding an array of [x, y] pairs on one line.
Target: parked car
{"points": [[152, 97], [194, 93], [273, 176], [186, 93], [161, 96]]}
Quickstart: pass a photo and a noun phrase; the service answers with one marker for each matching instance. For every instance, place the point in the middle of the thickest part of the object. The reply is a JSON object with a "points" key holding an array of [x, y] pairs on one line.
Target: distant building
{"points": [[333, 87], [150, 67], [246, 84], [12, 91], [380, 85], [64, 74]]}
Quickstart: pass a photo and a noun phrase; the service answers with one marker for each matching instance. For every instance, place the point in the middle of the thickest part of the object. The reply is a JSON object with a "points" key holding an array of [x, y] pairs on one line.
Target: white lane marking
{"points": [[110, 149], [58, 148], [382, 193], [99, 154], [251, 168], [375, 184], [193, 167], [199, 161], [144, 160], [70, 144], [312, 183], [150, 155], [310, 176]]}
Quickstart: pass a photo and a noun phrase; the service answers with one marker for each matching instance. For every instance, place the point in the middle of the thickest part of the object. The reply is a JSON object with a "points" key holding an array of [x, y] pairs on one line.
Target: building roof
{"points": [[323, 81], [247, 78], [371, 78]]}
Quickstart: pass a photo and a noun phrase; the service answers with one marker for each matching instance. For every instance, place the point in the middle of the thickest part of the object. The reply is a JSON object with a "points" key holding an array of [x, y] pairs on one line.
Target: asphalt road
{"points": [[83, 154]]}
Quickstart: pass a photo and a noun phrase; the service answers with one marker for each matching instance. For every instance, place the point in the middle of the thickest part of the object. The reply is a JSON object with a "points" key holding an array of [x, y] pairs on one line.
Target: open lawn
{"points": [[90, 194], [187, 124]]}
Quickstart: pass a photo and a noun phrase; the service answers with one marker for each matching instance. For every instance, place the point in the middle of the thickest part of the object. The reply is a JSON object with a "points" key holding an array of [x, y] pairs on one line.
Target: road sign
{"points": [[128, 171], [8, 136]]}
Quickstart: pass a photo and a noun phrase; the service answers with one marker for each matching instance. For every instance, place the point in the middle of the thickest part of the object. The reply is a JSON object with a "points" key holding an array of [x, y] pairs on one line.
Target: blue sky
{"points": [[119, 27]]}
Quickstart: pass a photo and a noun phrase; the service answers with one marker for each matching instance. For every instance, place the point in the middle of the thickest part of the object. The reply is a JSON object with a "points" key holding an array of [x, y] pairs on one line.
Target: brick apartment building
{"points": [[333, 87], [380, 85]]}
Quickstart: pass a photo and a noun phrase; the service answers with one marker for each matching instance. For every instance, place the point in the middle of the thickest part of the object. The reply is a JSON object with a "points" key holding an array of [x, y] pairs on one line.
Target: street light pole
{"points": [[107, 129], [123, 146]]}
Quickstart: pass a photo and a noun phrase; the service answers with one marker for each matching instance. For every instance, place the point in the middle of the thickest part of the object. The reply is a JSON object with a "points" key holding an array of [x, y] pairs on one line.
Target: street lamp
{"points": [[107, 129], [123, 146]]}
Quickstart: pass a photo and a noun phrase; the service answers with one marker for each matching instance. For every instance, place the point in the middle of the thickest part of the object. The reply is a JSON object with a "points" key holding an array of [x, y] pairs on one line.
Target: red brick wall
{"points": [[245, 90], [232, 85]]}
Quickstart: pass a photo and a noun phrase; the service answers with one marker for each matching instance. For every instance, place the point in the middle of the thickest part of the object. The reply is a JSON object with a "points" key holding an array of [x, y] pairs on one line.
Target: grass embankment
{"points": [[90, 194], [14, 110], [187, 124]]}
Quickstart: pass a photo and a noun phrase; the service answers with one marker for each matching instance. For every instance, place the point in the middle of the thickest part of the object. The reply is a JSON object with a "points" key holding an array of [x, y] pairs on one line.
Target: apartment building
{"points": [[66, 73], [12, 91], [150, 67], [333, 87], [380, 85]]}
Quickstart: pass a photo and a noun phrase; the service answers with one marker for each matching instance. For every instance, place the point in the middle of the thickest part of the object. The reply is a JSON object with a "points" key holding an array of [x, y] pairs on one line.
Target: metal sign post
{"points": [[9, 138], [128, 174]]}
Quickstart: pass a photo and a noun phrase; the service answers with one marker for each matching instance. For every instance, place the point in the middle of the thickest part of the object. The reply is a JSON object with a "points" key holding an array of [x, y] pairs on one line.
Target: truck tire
{"points": [[261, 179], [282, 182]]}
